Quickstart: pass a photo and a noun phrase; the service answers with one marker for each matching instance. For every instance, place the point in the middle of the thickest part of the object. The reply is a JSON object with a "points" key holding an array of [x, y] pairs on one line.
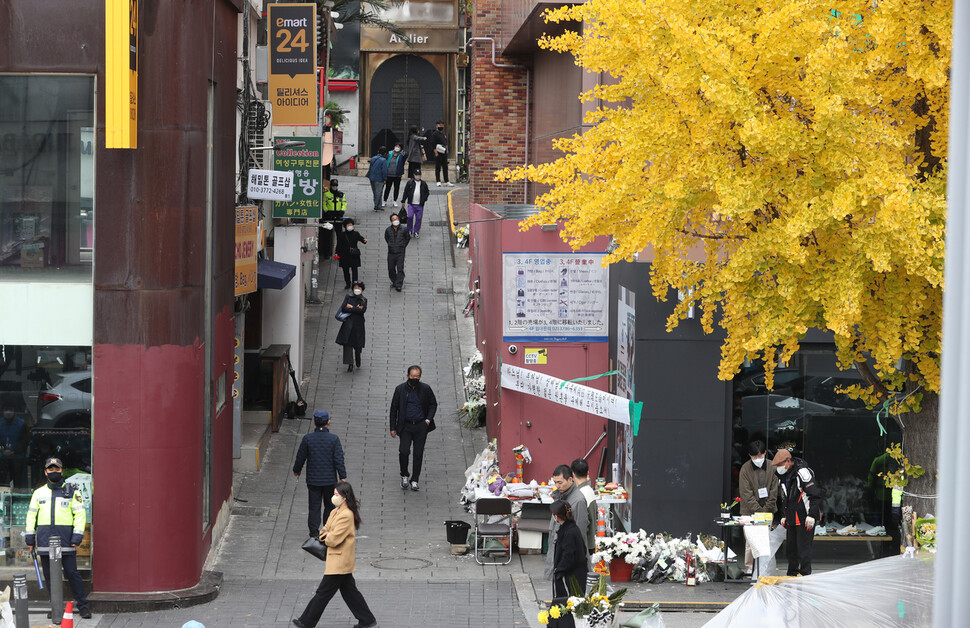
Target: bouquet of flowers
{"points": [[926, 533], [462, 235], [727, 506], [597, 607], [631, 547]]}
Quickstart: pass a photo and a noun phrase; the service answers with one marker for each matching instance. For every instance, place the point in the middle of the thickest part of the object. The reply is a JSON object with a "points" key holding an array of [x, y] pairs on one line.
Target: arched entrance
{"points": [[406, 91]]}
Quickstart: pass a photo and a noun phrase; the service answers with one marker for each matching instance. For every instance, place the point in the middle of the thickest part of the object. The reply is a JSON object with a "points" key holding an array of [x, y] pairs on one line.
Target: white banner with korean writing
{"points": [[571, 395], [271, 185], [555, 297]]}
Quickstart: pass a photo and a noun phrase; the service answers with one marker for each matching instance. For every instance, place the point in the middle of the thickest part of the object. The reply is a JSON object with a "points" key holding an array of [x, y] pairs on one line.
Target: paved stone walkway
{"points": [[404, 566]]}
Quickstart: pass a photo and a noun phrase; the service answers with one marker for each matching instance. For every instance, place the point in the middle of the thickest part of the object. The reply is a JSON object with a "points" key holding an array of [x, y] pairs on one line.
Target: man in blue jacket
{"points": [[324, 458], [377, 174]]}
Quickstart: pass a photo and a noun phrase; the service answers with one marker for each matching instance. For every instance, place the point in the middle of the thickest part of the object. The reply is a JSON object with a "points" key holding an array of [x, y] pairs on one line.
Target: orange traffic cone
{"points": [[68, 621]]}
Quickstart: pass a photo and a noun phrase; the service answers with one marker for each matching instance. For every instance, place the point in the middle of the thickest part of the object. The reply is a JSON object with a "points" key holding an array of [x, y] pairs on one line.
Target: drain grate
{"points": [[445, 317], [438, 223], [444, 290]]}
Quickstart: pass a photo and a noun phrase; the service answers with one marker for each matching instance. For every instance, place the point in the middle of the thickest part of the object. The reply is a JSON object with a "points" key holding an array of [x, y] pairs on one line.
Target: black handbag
{"points": [[315, 546]]}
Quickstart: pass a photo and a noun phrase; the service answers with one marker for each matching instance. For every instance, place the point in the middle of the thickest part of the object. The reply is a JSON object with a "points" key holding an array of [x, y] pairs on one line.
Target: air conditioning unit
{"points": [[259, 133]]}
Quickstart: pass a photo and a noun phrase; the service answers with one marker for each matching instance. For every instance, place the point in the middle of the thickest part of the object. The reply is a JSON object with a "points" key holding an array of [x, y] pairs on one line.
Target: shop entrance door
{"points": [[406, 91]]}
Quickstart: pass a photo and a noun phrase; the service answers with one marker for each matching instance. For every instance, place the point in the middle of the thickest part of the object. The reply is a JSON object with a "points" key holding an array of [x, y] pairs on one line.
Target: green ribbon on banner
{"points": [[636, 408], [584, 379], [884, 408]]}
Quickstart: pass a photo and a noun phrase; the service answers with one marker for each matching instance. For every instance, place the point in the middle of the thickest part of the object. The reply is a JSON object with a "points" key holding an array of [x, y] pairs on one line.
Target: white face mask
{"points": [[336, 500], [781, 470], [8, 414], [358, 291], [395, 222], [397, 149], [758, 462], [349, 227]]}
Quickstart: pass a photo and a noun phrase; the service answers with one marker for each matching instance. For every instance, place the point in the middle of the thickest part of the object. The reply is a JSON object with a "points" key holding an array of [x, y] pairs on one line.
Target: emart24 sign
{"points": [[292, 63]]}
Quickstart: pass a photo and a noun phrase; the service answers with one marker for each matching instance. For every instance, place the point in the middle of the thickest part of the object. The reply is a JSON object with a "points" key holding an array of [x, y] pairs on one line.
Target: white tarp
{"points": [[571, 395]]}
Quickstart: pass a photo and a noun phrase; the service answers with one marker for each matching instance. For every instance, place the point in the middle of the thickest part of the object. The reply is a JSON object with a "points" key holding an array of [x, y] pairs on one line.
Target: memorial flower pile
{"points": [[596, 607], [462, 235], [630, 547]]}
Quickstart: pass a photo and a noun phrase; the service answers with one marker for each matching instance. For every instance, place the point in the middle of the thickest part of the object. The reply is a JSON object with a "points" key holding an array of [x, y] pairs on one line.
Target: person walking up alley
{"points": [[439, 140], [416, 194], [323, 455], [413, 407], [395, 170], [377, 175], [397, 238]]}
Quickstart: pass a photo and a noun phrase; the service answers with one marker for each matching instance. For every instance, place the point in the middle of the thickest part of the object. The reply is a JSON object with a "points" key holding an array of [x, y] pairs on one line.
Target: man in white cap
{"points": [[324, 458], [56, 509]]}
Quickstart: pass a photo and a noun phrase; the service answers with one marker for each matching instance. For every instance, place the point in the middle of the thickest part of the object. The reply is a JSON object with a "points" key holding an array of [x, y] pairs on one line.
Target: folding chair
{"points": [[485, 529]]}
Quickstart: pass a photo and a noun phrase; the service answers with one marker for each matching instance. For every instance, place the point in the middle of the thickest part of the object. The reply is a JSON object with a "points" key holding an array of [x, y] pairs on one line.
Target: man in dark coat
{"points": [[348, 249], [799, 501], [324, 458], [352, 334], [397, 238], [413, 407]]}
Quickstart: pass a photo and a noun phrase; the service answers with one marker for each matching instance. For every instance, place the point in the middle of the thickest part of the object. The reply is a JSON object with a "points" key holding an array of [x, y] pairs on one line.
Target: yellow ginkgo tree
{"points": [[785, 161]]}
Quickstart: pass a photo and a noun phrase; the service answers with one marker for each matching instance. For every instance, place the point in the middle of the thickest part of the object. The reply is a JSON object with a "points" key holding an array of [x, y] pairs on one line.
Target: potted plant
{"points": [[622, 551], [595, 610]]}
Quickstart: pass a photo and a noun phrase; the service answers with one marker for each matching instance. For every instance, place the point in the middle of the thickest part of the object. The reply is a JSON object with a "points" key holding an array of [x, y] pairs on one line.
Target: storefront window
{"points": [[808, 414], [420, 11], [47, 145]]}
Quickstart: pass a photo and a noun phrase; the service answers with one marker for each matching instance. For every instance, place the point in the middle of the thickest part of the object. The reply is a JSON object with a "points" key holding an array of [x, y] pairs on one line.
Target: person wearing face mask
{"points": [[570, 560], [395, 170], [377, 174], [397, 238], [799, 506], [348, 250], [416, 194], [56, 509], [339, 534], [758, 489], [439, 140], [14, 438], [351, 334], [334, 206], [415, 156], [413, 407]]}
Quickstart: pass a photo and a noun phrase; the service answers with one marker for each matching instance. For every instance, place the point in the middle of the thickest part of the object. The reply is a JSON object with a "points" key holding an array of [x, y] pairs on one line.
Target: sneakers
{"points": [[437, 184], [404, 482], [417, 235], [449, 184], [415, 487], [85, 613]]}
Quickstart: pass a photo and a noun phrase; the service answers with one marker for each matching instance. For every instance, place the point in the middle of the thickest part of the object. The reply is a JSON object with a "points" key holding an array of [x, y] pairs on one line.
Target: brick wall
{"points": [[497, 111]]}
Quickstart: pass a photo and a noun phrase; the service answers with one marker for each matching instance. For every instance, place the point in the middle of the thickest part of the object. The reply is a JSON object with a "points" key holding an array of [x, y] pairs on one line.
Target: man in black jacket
{"points": [[416, 194], [397, 238], [799, 501], [324, 458], [413, 407]]}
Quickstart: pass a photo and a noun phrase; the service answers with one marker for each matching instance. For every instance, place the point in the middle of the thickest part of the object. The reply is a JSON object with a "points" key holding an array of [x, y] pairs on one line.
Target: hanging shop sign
{"points": [[572, 395], [270, 185], [247, 243], [306, 165], [424, 39], [292, 63], [555, 297], [121, 73]]}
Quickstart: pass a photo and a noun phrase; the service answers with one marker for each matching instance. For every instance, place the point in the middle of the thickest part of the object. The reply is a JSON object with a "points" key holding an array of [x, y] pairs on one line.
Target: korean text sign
{"points": [[292, 63], [555, 297], [306, 165], [571, 395], [247, 235]]}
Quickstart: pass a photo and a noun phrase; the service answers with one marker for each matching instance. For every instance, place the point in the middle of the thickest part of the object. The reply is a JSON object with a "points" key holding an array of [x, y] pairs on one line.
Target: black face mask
{"points": [[54, 477], [441, 128], [413, 383]]}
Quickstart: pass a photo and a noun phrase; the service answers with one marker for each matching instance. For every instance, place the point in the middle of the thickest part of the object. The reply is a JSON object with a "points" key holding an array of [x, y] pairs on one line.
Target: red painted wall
{"points": [[558, 434]]}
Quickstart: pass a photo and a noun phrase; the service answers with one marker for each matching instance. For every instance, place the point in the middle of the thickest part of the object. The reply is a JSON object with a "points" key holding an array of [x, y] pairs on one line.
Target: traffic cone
{"points": [[68, 620]]}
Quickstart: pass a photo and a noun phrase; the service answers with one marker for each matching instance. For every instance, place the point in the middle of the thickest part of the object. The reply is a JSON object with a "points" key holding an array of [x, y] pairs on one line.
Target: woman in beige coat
{"points": [[339, 534]]}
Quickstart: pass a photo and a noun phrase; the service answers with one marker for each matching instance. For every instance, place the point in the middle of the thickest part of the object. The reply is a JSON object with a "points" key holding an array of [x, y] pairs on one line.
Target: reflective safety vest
{"points": [[55, 512]]}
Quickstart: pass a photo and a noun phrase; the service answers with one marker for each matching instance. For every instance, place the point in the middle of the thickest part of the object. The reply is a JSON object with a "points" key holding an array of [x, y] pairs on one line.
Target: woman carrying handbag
{"points": [[340, 536], [348, 242], [351, 334]]}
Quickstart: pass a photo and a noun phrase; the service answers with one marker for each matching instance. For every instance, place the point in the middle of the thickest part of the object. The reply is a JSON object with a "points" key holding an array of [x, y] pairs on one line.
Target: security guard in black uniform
{"points": [[800, 503], [56, 509]]}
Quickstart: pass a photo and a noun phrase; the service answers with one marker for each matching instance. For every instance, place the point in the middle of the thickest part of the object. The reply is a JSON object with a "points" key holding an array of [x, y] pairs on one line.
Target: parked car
{"points": [[66, 402]]}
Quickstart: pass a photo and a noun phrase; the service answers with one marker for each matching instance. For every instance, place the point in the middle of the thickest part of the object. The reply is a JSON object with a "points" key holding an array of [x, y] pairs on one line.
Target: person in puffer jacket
{"points": [[56, 509], [323, 455]]}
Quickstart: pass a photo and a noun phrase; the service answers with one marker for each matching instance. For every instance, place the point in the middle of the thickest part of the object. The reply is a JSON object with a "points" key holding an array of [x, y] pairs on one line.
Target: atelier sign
{"points": [[292, 63]]}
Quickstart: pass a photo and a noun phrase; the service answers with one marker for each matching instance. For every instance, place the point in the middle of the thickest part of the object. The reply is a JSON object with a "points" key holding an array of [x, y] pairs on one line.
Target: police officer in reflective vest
{"points": [[800, 502], [56, 509]]}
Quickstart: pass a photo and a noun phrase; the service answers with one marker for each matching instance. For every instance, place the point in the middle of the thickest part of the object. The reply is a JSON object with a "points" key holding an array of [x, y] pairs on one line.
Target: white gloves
{"points": [[810, 522]]}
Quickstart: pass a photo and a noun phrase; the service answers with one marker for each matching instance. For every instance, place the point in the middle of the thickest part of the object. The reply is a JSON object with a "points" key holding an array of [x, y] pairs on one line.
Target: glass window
{"points": [[420, 11], [47, 146], [808, 413]]}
